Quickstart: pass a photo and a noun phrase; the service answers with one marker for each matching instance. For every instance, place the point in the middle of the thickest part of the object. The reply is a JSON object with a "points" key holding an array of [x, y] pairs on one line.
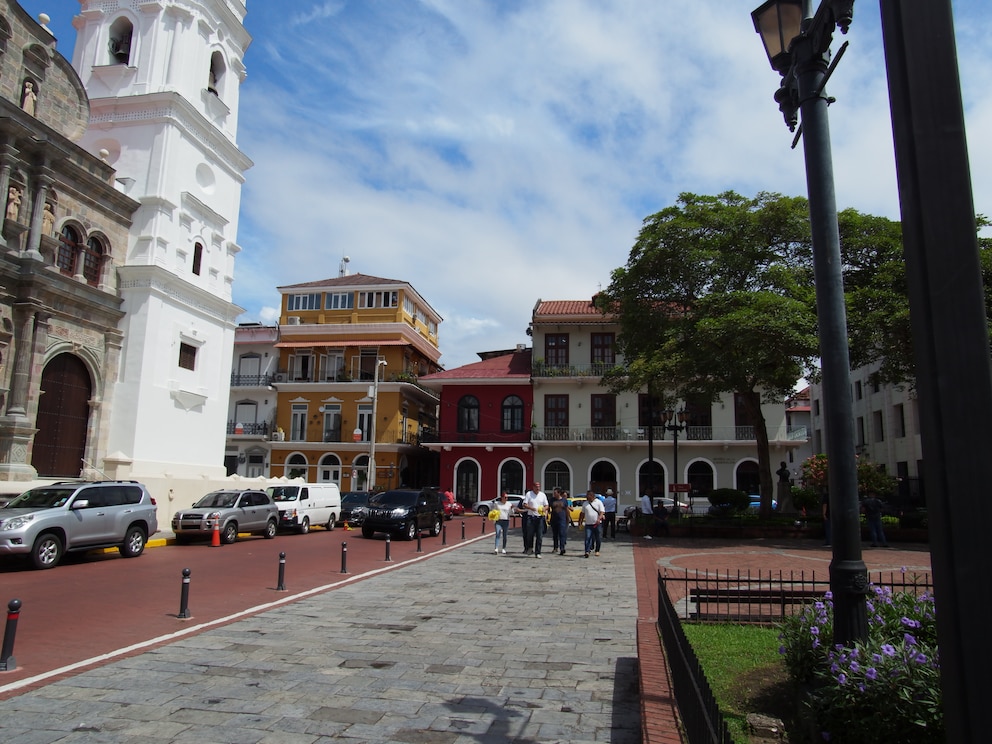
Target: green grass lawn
{"points": [[744, 670]]}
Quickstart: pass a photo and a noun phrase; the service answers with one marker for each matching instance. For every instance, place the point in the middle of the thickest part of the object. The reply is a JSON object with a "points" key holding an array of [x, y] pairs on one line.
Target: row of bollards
{"points": [[8, 663]]}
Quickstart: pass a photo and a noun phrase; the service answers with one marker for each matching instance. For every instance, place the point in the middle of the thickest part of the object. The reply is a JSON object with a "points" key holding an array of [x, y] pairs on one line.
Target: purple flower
{"points": [[910, 623], [908, 639], [888, 649], [871, 674], [841, 679]]}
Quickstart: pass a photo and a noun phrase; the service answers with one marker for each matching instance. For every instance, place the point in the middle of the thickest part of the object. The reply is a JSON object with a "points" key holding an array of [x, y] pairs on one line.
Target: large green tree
{"points": [[717, 297], [877, 297]]}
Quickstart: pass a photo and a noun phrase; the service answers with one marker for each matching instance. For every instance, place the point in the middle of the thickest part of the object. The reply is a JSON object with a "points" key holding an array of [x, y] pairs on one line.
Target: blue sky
{"points": [[494, 152]]}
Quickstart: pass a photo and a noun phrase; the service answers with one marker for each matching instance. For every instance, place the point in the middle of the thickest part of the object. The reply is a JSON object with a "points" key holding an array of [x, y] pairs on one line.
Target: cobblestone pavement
{"points": [[464, 647]]}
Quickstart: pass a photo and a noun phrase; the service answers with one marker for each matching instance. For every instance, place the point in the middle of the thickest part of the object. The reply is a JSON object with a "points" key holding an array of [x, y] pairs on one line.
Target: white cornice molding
{"points": [[164, 282]]}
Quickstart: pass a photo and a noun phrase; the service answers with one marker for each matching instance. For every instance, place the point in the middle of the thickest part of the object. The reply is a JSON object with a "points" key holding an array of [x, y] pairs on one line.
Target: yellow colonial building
{"points": [[349, 407]]}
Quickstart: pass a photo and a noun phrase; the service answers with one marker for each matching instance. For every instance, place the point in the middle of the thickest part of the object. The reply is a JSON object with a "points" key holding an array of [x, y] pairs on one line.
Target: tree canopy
{"points": [[717, 296]]}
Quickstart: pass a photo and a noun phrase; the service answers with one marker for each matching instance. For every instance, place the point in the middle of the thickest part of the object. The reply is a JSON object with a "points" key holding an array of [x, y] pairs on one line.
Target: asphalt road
{"points": [[96, 604]]}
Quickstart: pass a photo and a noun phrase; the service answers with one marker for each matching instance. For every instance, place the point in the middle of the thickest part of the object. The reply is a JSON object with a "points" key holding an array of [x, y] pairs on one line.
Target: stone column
{"points": [[33, 247], [16, 429], [7, 154]]}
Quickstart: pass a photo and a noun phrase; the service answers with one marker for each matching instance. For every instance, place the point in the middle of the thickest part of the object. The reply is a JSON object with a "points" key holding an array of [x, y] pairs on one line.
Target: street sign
{"points": [[679, 487]]}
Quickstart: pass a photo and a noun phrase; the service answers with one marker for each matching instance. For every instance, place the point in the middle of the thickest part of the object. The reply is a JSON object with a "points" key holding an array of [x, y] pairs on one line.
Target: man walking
{"points": [[647, 510], [533, 507], [592, 516], [872, 507], [610, 517]]}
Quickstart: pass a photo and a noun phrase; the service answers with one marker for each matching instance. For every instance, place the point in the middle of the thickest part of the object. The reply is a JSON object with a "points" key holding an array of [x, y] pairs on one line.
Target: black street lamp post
{"points": [[798, 47], [678, 424]]}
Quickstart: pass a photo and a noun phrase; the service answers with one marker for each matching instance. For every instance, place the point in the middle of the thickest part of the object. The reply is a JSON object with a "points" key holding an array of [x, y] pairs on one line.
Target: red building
{"points": [[483, 436]]}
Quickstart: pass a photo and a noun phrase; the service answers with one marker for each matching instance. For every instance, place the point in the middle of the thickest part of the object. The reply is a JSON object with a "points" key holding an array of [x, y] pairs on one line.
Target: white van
{"points": [[303, 505]]}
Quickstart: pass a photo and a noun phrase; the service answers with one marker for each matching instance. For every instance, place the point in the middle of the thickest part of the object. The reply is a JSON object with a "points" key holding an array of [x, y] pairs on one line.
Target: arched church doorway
{"points": [[63, 417]]}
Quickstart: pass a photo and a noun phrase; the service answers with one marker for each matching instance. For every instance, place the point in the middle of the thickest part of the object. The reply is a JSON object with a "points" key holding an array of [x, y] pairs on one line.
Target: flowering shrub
{"points": [[889, 683]]}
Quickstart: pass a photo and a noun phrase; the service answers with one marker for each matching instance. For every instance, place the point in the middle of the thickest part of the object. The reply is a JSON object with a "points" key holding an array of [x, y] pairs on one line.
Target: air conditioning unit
{"points": [[293, 320], [280, 377]]}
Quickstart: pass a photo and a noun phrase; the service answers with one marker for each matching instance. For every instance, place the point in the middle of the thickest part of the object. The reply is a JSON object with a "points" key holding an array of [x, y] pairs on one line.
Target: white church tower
{"points": [[163, 79]]}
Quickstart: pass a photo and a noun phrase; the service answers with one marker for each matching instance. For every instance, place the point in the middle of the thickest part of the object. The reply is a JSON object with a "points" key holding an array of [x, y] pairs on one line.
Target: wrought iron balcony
{"points": [[251, 380], [236, 428], [589, 369]]}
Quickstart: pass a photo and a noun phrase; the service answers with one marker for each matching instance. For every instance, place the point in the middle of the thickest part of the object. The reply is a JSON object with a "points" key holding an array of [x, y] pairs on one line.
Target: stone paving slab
{"points": [[464, 647]]}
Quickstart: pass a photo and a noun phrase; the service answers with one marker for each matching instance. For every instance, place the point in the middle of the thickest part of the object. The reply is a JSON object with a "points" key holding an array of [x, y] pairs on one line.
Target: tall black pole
{"points": [[848, 575], [650, 484], [951, 345]]}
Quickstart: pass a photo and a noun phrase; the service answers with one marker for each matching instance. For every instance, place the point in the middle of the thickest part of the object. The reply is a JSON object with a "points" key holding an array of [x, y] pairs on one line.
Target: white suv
{"points": [[48, 521]]}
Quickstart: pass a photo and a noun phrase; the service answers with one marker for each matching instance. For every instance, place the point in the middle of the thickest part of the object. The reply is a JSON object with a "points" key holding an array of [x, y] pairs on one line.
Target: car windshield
{"points": [[283, 493], [394, 498], [355, 499], [41, 498], [218, 498]]}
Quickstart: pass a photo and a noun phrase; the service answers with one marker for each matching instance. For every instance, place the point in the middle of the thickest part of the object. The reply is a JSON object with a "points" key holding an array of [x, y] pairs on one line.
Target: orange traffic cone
{"points": [[215, 537]]}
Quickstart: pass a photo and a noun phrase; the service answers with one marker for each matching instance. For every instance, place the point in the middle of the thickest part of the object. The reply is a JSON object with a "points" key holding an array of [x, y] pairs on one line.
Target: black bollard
{"points": [[444, 534], [7, 662], [420, 544], [484, 520], [184, 596], [281, 586], [463, 529], [344, 557], [388, 545]]}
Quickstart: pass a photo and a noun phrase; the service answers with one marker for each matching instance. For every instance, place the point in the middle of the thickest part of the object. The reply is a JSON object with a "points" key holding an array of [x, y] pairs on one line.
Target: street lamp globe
{"points": [[778, 22]]}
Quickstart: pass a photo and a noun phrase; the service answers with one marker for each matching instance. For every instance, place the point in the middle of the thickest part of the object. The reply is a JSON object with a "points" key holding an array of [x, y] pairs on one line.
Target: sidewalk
{"points": [[465, 646]]}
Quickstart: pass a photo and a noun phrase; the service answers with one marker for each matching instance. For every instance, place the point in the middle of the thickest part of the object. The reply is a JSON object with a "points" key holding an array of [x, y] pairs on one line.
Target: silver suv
{"points": [[232, 511], [48, 521]]}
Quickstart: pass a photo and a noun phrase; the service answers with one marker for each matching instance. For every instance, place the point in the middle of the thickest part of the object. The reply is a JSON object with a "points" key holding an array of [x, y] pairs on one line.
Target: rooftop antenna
{"points": [[343, 268]]}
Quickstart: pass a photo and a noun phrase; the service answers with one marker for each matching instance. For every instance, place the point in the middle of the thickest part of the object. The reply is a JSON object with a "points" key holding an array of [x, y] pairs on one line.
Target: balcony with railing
{"points": [[473, 437], [238, 380], [238, 428], [588, 369], [659, 434]]}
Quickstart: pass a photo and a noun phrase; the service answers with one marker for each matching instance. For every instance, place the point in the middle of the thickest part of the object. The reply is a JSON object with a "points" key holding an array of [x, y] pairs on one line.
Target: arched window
{"points": [[511, 477], [215, 79], [69, 246], [119, 44], [296, 466], [197, 258], [557, 475], [92, 261], [513, 413], [468, 414]]}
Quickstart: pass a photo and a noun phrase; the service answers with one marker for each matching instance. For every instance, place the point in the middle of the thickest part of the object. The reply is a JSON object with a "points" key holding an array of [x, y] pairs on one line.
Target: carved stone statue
{"points": [[29, 98], [47, 220], [13, 203]]}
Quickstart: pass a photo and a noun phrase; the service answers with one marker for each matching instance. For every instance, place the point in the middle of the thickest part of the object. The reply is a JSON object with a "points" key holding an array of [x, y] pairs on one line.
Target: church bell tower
{"points": [[163, 78]]}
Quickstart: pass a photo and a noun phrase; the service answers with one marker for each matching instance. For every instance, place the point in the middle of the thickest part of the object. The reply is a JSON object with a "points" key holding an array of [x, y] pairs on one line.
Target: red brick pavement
{"points": [[659, 715]]}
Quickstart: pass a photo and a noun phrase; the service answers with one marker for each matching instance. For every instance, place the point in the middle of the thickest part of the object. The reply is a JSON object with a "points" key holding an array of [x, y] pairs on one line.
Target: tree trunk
{"points": [[752, 402]]}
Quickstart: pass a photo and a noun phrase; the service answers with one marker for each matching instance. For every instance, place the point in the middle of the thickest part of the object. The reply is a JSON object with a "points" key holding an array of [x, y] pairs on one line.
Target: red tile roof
{"points": [[566, 307], [512, 366], [351, 280]]}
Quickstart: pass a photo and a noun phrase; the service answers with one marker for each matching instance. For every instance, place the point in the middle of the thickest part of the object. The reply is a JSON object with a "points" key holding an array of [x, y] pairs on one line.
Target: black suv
{"points": [[404, 512]]}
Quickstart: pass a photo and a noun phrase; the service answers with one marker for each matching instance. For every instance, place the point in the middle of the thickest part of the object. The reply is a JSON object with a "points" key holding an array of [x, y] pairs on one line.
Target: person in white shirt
{"points": [[610, 520], [592, 517], [647, 510], [505, 509], [533, 507]]}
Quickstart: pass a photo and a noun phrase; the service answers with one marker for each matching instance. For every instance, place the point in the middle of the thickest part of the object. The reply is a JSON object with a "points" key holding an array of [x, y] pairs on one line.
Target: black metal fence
{"points": [[762, 597], [698, 709], [739, 597]]}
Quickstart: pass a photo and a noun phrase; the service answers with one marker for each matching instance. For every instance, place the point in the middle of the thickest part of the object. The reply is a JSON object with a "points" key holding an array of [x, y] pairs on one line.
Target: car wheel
{"points": [[271, 528], [367, 531], [483, 511], [134, 542], [332, 523], [305, 526], [230, 533], [46, 551], [410, 531], [436, 526]]}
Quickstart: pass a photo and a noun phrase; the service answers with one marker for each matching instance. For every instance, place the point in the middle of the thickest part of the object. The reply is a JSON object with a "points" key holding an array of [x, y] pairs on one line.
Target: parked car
{"points": [[301, 506], [234, 511], [48, 521], [669, 504], [482, 508], [452, 507], [404, 512], [354, 505], [755, 504]]}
